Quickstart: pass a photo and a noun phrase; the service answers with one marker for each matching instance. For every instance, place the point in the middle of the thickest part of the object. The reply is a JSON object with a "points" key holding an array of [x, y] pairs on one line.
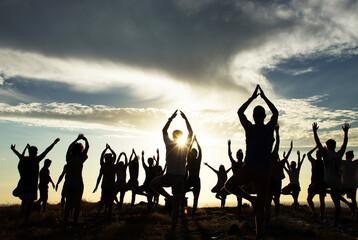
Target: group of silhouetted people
{"points": [[257, 177]]}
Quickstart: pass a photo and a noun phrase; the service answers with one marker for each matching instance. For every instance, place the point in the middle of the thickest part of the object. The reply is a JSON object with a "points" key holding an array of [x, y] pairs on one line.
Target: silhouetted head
{"points": [[221, 168], [108, 158], [259, 114], [120, 165], [239, 155], [349, 155], [77, 148], [331, 145], [47, 163], [177, 134], [32, 151], [318, 154], [293, 165], [193, 153], [150, 161]]}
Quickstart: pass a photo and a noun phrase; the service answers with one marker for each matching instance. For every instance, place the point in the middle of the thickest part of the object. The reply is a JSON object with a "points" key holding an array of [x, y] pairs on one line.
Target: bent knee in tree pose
{"points": [[256, 170]]}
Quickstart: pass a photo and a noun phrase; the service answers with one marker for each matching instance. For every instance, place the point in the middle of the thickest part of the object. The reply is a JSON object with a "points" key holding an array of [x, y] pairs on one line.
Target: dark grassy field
{"points": [[211, 223]]}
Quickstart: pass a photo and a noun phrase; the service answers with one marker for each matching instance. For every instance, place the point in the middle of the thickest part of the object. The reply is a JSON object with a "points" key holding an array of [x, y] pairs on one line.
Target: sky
{"points": [[116, 70]]}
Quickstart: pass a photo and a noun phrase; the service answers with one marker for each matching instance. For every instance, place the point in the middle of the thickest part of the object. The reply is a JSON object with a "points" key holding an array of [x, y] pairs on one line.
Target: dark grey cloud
{"points": [[190, 43]]}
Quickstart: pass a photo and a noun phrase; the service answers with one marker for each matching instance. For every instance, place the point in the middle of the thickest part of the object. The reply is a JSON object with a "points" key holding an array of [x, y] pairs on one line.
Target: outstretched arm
{"points": [[345, 128], [210, 167], [299, 160], [85, 151], [241, 112], [42, 155], [228, 170], [27, 147], [274, 117]]}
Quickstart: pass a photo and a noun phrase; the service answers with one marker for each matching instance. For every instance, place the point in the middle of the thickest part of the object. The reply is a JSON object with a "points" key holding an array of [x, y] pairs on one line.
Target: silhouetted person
{"points": [[293, 171], [108, 172], [236, 165], [45, 179], [150, 174], [132, 183], [192, 182], [159, 171], [257, 166], [219, 189], [121, 185], [332, 166], [76, 155], [29, 174], [63, 192], [349, 171], [176, 155], [276, 176], [317, 185]]}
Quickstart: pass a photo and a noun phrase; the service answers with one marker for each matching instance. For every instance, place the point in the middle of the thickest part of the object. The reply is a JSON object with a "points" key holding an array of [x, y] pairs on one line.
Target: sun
{"points": [[181, 141]]}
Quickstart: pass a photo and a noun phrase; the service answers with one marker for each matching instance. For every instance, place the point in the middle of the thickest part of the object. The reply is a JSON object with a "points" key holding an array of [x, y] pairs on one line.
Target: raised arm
{"points": [[309, 154], [199, 148], [229, 152], [113, 152], [125, 158], [345, 128], [143, 163], [274, 117], [13, 148], [299, 160], [85, 151], [318, 142], [241, 112], [211, 167], [101, 160], [157, 164], [228, 170], [27, 147], [132, 156], [190, 130], [166, 126], [43, 155]]}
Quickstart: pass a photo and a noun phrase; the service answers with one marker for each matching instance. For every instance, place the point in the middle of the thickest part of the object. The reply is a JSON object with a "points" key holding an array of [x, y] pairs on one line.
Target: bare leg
{"points": [[311, 204], [322, 204]]}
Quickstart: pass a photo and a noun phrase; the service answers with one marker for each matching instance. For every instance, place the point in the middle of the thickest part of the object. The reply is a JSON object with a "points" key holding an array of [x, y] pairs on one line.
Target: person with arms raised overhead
{"points": [[257, 166], [349, 173], [192, 182], [132, 183], [176, 154], [293, 171], [317, 185], [29, 174], [332, 161], [236, 165], [75, 157], [108, 172]]}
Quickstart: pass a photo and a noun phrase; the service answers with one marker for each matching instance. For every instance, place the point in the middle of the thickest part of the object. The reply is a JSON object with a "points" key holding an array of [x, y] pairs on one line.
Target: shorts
{"points": [[260, 179], [176, 182]]}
